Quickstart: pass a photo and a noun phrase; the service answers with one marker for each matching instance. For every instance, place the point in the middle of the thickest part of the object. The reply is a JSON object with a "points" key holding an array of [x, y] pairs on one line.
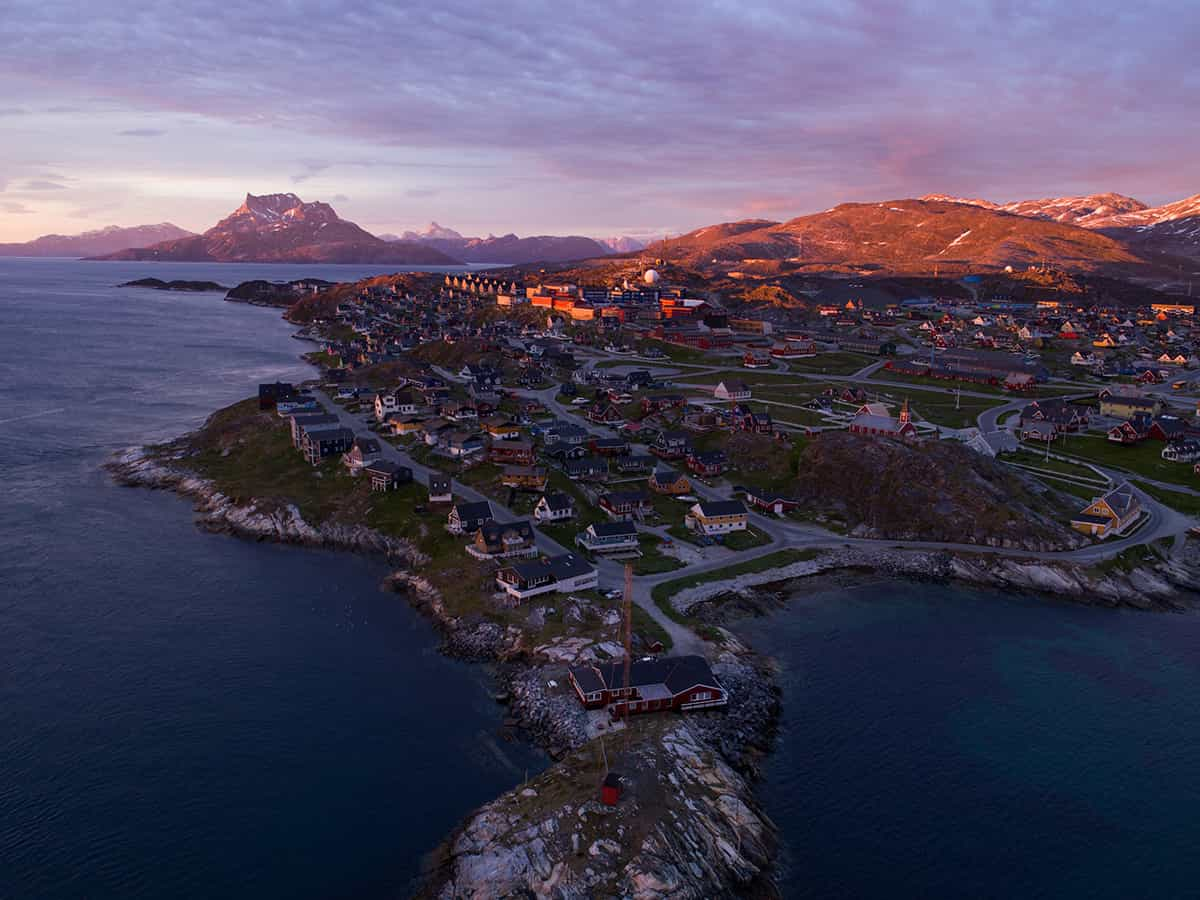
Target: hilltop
{"points": [[903, 237], [283, 228]]}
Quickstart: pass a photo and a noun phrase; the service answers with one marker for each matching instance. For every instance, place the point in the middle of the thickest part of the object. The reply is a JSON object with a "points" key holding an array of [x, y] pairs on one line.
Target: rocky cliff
{"points": [[139, 467]]}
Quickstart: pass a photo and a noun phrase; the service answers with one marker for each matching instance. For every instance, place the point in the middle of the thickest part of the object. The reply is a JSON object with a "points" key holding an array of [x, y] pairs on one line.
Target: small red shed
{"points": [[610, 791]]}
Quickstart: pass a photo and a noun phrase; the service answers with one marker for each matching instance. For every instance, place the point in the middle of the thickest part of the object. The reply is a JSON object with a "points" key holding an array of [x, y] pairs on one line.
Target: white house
{"points": [[732, 390]]}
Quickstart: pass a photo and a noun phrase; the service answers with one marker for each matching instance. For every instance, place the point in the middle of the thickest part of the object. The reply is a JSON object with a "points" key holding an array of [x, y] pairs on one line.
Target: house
{"points": [[494, 540], [501, 427], [1168, 428], [671, 445], [1124, 403], [516, 453], [707, 464], [1110, 514], [298, 403], [1056, 412], [554, 507], [586, 467], [876, 424], [661, 403], [467, 518], [605, 414], [624, 505], [1132, 431], [439, 489], [752, 359], [609, 537], [1040, 431], [772, 503], [365, 451], [746, 419], [270, 394], [564, 433], [1185, 451], [459, 411], [711, 517], [609, 446], [524, 478], [462, 444], [309, 420], [402, 402], [387, 476], [402, 425], [634, 463], [670, 683], [668, 481], [732, 390], [317, 445], [989, 444], [566, 572]]}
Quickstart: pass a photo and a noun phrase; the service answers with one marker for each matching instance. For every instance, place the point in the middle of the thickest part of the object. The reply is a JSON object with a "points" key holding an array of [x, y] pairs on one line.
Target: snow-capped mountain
{"points": [[283, 228], [1172, 228], [623, 244]]}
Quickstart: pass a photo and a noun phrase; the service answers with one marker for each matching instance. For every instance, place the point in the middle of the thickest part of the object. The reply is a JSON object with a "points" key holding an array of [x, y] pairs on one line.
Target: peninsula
{"points": [[583, 475]]}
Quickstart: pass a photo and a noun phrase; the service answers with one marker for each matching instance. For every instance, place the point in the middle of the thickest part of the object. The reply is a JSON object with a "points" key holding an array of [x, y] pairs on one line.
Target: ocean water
{"points": [[945, 742], [185, 714]]}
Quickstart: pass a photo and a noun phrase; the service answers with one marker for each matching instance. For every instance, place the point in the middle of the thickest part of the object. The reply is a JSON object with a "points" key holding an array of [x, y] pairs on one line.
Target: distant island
{"points": [[157, 284]]}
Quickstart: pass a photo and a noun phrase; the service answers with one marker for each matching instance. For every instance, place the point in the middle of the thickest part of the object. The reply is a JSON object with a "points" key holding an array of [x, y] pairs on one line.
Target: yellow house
{"points": [[1122, 406], [718, 517], [1109, 514]]}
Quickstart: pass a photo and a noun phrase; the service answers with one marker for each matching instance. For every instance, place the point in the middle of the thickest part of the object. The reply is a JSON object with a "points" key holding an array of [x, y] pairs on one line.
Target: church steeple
{"points": [[904, 412]]}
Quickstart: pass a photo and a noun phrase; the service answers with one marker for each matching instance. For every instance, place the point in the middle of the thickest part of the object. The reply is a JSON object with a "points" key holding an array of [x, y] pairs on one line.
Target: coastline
{"points": [[717, 753], [527, 841]]}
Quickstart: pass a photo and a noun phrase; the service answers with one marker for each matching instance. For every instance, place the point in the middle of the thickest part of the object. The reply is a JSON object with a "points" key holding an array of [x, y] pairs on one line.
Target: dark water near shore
{"points": [[184, 714], [945, 742]]}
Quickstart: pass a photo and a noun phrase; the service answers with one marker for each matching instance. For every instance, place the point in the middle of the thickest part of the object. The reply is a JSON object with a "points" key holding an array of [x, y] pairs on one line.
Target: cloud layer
{"points": [[611, 115]]}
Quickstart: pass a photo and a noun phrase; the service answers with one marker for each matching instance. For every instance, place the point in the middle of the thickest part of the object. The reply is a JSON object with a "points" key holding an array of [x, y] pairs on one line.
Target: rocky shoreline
{"points": [[690, 826], [1166, 584], [717, 844], [137, 467]]}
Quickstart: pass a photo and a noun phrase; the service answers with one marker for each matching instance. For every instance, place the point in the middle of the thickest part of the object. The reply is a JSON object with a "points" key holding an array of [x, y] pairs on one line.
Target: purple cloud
{"points": [[142, 132], [691, 112]]}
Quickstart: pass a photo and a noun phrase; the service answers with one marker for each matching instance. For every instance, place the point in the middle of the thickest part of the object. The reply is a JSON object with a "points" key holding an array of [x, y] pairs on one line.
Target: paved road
{"points": [[1161, 522]]}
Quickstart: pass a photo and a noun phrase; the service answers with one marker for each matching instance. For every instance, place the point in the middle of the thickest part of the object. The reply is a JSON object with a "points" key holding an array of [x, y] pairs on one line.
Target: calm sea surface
{"points": [[184, 714], [942, 742]]}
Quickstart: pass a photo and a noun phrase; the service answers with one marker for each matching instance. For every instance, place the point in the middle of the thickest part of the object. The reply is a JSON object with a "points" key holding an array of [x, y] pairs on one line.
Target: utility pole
{"points": [[628, 625]]}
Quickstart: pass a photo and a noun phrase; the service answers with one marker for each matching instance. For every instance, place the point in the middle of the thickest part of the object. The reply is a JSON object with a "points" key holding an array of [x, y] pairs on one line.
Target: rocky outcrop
{"points": [[216, 512], [686, 826], [1157, 583]]}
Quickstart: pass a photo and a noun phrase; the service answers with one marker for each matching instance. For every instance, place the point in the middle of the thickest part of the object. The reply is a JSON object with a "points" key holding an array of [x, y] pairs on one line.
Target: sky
{"points": [[604, 119]]}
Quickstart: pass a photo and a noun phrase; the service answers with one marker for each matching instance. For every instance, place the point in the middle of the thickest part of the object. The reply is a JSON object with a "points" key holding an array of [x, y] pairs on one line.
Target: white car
{"points": [[580, 401]]}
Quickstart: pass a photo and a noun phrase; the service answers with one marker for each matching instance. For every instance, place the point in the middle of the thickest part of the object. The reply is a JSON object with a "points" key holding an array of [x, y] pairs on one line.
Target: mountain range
{"points": [[1099, 232], [95, 243], [515, 250], [283, 228]]}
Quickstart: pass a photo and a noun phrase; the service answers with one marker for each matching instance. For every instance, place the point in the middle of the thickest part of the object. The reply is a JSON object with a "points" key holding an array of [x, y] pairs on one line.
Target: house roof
{"points": [[675, 673], [612, 529], [558, 501], [710, 508], [387, 467], [494, 532], [469, 512]]}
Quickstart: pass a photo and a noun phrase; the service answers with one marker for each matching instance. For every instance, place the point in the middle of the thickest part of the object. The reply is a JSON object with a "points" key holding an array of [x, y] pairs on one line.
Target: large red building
{"points": [[673, 682]]}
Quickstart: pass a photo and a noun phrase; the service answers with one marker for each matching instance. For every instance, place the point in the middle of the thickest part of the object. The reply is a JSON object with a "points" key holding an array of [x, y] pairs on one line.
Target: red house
{"points": [[673, 682], [513, 453]]}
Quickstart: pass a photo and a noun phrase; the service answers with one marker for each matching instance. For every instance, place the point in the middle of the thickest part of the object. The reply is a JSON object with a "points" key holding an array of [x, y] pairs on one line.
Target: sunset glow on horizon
{"points": [[617, 119]]}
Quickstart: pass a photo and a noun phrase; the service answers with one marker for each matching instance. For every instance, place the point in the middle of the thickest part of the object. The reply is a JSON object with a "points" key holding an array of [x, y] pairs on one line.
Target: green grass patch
{"points": [[837, 363], [1188, 504], [662, 593], [1143, 459]]}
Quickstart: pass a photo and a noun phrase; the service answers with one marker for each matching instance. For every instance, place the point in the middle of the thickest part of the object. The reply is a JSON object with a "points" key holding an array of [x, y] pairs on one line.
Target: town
{"points": [[565, 438]]}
